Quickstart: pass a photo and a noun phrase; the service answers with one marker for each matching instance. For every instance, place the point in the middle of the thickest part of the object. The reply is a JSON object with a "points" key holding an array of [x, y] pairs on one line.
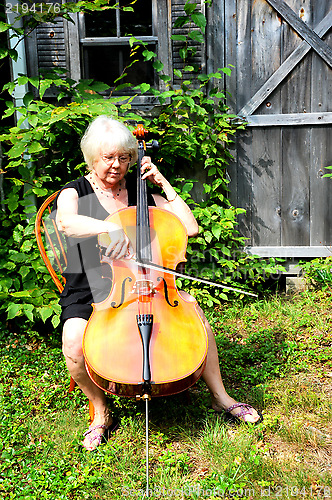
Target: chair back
{"points": [[51, 243]]}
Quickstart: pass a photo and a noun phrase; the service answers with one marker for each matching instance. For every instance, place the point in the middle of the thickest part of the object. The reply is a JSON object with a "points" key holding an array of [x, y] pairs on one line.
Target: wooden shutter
{"points": [[51, 49], [198, 59], [46, 46]]}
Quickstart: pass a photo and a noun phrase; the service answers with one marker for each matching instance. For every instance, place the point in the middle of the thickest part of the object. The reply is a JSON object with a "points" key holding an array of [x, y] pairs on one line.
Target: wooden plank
{"points": [[215, 37], [230, 52], [225, 57], [296, 98], [295, 187], [266, 148], [243, 93], [32, 57], [303, 30], [320, 187], [244, 59], [289, 251], [291, 119], [162, 27], [296, 87], [321, 144], [286, 67], [73, 47], [266, 190]]}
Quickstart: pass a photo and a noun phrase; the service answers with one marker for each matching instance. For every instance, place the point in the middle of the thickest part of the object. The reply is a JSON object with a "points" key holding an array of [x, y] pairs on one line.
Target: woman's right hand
{"points": [[120, 246]]}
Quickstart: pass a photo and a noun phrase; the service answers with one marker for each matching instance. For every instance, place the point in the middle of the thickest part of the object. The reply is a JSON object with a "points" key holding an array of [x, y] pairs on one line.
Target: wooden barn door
{"points": [[281, 85]]}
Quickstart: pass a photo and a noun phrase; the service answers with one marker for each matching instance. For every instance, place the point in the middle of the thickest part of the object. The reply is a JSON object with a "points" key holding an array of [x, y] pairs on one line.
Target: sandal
{"points": [[239, 417], [97, 436]]}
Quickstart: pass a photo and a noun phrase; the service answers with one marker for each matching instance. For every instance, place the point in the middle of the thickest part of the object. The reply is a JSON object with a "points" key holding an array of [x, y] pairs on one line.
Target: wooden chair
{"points": [[52, 249]]}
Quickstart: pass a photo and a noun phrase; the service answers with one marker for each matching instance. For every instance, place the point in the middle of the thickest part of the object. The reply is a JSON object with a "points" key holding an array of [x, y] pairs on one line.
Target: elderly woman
{"points": [[109, 148]]}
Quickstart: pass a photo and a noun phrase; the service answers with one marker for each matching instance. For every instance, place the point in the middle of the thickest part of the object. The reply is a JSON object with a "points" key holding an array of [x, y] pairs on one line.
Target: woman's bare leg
{"points": [[212, 376], [73, 331]]}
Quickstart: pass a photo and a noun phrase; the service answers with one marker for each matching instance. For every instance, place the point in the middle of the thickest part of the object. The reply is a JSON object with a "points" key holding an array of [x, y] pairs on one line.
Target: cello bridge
{"points": [[144, 287]]}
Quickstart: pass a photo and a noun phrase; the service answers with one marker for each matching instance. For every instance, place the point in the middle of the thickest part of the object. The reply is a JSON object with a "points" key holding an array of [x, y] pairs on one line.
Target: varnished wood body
{"points": [[112, 344]]}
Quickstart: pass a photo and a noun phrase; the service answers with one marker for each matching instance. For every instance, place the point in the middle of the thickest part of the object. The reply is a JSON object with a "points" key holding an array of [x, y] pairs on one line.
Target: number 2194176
{"points": [[25, 8]]}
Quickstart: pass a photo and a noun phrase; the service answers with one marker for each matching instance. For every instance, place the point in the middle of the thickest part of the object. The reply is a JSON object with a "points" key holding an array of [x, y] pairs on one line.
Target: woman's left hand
{"points": [[151, 172]]}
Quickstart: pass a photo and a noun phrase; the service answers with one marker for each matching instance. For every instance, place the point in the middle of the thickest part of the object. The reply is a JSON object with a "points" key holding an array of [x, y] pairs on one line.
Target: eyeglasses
{"points": [[123, 159]]}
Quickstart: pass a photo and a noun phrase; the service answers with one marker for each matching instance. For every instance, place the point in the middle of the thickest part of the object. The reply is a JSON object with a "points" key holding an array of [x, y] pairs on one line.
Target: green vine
{"points": [[41, 153]]}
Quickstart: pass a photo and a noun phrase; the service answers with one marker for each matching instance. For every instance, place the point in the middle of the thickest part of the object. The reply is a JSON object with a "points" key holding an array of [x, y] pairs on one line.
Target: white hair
{"points": [[105, 132]]}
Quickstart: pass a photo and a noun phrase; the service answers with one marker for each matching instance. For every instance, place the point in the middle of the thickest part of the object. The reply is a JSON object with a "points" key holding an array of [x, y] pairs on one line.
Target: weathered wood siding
{"points": [[281, 84], [198, 59]]}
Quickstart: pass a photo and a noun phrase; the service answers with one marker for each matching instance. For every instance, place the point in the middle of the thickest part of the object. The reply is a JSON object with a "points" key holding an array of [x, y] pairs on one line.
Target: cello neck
{"points": [[143, 236]]}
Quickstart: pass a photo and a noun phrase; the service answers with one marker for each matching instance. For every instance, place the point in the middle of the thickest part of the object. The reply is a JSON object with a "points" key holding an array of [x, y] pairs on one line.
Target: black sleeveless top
{"points": [[84, 281]]}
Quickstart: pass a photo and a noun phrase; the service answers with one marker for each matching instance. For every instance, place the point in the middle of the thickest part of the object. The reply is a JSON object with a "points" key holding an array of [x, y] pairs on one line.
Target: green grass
{"points": [[274, 353]]}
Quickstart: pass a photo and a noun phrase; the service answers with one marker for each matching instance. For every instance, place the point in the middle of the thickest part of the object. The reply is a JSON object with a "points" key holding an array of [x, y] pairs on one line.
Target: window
{"points": [[96, 45], [104, 43]]}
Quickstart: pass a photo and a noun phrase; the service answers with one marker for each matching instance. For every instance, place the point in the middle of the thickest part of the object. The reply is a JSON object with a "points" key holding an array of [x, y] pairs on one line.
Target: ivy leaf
{"points": [[26, 247], [199, 19], [17, 256], [13, 54], [17, 150], [40, 191], [4, 26], [18, 231], [28, 311], [133, 40], [3, 52], [144, 87], [45, 313], [183, 52], [55, 321], [10, 87], [22, 294], [208, 236], [181, 21], [33, 120], [187, 187], [148, 55], [179, 38], [227, 71], [34, 81], [27, 98], [216, 230], [158, 65], [8, 265], [6, 284], [35, 147], [177, 73], [189, 8], [12, 202], [13, 310], [226, 251], [196, 36], [99, 87], [24, 271], [22, 80], [165, 78], [44, 85]]}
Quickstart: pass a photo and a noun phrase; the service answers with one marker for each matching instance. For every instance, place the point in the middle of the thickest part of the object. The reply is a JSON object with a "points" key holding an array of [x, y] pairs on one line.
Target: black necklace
{"points": [[104, 192]]}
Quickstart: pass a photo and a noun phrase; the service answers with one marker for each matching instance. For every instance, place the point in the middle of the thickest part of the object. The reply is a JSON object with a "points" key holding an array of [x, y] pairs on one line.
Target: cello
{"points": [[145, 339]]}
